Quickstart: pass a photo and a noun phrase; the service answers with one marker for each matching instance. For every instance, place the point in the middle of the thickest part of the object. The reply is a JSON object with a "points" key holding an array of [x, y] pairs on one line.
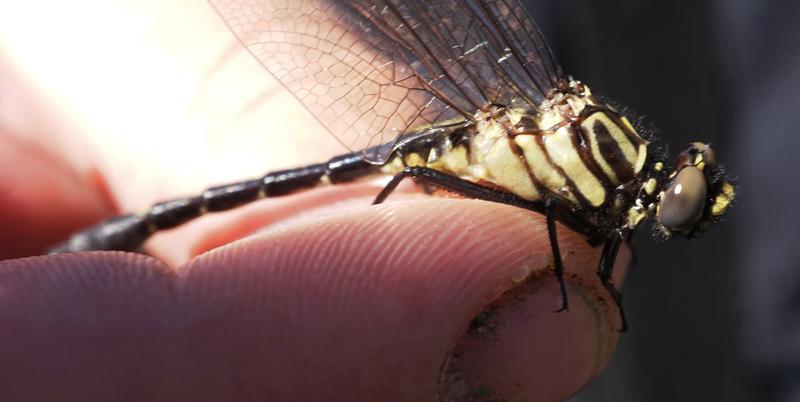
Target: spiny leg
{"points": [[392, 185], [472, 190], [606, 269], [550, 206]]}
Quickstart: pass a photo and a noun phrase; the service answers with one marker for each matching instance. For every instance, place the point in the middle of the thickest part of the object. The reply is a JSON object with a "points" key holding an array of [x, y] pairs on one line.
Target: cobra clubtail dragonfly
{"points": [[462, 95]]}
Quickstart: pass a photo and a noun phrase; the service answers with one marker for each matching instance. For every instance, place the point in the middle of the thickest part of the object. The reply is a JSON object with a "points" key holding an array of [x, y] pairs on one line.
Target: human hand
{"points": [[334, 300]]}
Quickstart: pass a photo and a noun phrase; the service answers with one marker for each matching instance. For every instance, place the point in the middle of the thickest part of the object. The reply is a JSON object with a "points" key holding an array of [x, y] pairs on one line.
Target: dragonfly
{"points": [[459, 95]]}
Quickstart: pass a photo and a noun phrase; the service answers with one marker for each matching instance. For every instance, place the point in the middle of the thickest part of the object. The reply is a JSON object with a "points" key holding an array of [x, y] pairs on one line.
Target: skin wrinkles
{"points": [[292, 309], [324, 303]]}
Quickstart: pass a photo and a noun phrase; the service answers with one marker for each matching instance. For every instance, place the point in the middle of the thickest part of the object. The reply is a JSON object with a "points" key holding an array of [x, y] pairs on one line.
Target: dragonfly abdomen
{"points": [[129, 232]]}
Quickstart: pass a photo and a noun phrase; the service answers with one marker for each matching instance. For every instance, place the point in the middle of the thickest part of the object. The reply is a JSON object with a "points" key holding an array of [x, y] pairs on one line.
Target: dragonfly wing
{"points": [[371, 71]]}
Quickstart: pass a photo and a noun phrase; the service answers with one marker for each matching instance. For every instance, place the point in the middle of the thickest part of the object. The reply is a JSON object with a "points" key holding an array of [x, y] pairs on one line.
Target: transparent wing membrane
{"points": [[370, 71], [427, 82]]}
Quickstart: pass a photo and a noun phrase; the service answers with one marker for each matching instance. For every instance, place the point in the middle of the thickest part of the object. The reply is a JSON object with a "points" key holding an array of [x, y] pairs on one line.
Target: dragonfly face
{"points": [[696, 194]]}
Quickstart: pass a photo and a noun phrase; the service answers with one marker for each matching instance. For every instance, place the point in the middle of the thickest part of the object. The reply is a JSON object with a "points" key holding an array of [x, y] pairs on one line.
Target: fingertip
{"points": [[376, 304], [88, 326], [403, 283], [518, 348]]}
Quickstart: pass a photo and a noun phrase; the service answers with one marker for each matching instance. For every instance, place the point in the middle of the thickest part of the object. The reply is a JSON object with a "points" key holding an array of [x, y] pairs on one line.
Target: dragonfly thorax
{"points": [[584, 153], [574, 148]]}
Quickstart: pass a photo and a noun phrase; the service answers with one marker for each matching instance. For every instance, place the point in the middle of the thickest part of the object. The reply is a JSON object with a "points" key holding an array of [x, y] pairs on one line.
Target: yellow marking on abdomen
{"points": [[393, 166], [414, 159], [453, 161]]}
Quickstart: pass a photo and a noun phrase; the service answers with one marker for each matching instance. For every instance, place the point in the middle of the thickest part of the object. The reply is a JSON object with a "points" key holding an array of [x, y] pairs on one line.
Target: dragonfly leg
{"points": [[392, 185], [424, 175], [606, 269], [550, 206]]}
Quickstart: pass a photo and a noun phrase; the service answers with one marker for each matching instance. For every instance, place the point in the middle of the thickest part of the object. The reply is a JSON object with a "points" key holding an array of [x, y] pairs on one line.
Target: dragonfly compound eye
{"points": [[683, 202]]}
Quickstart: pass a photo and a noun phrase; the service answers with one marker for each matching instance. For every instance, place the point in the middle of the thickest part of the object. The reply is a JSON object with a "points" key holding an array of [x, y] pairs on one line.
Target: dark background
{"points": [[716, 318]]}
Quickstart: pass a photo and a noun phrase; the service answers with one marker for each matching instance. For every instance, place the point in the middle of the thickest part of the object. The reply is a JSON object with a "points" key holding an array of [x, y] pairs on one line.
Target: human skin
{"points": [[360, 303], [327, 298]]}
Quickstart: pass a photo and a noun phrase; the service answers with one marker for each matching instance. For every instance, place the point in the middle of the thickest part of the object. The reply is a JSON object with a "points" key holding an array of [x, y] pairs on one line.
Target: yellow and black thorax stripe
{"points": [[575, 148]]}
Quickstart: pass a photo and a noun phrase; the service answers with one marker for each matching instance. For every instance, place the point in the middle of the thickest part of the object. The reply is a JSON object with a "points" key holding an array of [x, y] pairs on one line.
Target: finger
{"points": [[370, 305], [177, 246], [44, 195], [86, 327], [42, 198], [216, 116]]}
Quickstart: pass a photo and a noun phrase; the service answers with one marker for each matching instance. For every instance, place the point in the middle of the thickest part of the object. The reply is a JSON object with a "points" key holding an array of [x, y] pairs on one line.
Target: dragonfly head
{"points": [[696, 193]]}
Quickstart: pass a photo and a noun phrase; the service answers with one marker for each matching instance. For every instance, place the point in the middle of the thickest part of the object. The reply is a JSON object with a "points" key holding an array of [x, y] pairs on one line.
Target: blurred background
{"points": [[713, 319], [717, 318]]}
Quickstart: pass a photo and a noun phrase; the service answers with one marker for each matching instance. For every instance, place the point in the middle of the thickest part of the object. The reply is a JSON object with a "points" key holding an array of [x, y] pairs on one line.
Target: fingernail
{"points": [[518, 348]]}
